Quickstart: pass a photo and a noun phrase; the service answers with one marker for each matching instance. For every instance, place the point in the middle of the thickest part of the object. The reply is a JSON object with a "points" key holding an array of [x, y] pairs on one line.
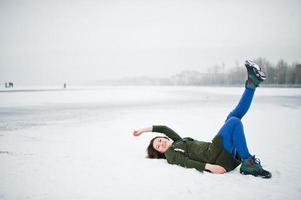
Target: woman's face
{"points": [[161, 144]]}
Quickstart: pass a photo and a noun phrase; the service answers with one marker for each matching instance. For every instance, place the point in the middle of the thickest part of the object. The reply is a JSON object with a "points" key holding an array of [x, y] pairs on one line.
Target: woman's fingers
{"points": [[136, 133], [221, 170]]}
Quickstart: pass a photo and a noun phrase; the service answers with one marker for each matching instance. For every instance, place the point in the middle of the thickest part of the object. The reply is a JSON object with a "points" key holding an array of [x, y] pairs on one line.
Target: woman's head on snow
{"points": [[157, 147]]}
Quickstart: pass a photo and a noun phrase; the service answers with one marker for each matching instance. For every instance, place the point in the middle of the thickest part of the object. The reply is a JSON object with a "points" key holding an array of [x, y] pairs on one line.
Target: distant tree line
{"points": [[279, 74]]}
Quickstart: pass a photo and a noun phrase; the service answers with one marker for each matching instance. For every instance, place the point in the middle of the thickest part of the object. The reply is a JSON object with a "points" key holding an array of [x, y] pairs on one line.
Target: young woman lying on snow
{"points": [[228, 148]]}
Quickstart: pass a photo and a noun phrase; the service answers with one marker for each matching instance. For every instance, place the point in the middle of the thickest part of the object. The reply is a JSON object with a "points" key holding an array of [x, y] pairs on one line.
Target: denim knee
{"points": [[234, 120]]}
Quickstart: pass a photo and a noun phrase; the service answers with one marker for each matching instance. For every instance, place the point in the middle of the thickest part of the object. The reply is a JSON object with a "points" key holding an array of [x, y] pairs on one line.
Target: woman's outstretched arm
{"points": [[160, 129], [142, 130]]}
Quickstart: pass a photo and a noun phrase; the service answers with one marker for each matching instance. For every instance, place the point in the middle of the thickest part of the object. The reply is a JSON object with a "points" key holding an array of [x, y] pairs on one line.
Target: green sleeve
{"points": [[178, 158], [167, 131]]}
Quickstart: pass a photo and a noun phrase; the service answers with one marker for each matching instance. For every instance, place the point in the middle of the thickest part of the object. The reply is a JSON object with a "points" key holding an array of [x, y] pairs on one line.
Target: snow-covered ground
{"points": [[78, 143]]}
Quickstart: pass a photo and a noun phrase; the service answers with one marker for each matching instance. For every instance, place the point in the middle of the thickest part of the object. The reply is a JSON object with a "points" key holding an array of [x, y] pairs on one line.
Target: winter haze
{"points": [[57, 41]]}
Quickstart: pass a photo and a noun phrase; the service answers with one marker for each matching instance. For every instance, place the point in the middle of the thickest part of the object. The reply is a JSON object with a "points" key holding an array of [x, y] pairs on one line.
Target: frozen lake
{"points": [[77, 143]]}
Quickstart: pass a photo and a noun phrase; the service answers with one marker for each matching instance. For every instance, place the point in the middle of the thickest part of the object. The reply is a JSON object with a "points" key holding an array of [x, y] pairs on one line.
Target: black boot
{"points": [[255, 75], [253, 167]]}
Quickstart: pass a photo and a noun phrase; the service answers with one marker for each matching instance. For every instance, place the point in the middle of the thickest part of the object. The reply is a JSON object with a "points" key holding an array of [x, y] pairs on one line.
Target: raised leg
{"points": [[244, 104]]}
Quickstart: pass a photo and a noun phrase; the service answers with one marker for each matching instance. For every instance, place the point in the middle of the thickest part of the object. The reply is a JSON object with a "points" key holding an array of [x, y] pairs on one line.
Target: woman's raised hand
{"points": [[142, 130], [137, 133]]}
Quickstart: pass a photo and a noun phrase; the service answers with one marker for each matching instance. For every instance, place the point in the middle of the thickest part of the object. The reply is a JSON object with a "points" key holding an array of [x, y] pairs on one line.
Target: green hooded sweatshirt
{"points": [[191, 153]]}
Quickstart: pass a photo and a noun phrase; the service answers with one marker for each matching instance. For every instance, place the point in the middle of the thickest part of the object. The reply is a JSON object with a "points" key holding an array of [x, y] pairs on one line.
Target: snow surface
{"points": [[78, 143]]}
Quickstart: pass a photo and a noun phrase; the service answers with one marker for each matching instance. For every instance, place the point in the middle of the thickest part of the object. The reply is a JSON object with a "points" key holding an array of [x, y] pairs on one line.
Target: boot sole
{"points": [[256, 175], [256, 69], [259, 74], [252, 64]]}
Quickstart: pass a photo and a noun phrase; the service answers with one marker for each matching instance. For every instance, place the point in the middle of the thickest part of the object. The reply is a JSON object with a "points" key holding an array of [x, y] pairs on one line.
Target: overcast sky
{"points": [[57, 41]]}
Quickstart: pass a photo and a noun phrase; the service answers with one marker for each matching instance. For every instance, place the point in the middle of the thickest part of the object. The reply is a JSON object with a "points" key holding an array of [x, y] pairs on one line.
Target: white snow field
{"points": [[78, 143]]}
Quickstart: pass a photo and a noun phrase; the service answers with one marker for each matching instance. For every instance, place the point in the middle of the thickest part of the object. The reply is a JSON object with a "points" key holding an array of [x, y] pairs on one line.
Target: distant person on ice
{"points": [[228, 148]]}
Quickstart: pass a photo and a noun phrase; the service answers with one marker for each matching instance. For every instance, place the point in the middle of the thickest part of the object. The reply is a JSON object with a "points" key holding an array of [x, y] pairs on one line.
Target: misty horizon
{"points": [[75, 41]]}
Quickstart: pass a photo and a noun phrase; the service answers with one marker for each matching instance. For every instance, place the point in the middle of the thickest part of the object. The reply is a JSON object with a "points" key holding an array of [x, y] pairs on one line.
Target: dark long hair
{"points": [[152, 152]]}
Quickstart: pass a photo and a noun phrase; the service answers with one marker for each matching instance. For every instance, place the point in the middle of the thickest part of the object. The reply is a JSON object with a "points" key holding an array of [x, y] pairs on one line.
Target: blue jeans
{"points": [[232, 132]]}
